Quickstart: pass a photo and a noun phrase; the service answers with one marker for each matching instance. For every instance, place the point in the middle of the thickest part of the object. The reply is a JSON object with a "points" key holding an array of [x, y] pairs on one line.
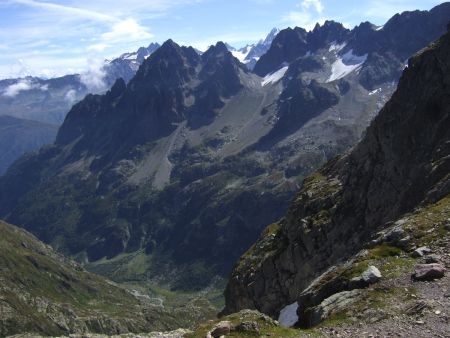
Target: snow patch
{"points": [[288, 315], [335, 47], [241, 55], [132, 56], [346, 64], [275, 76], [379, 28], [373, 92]]}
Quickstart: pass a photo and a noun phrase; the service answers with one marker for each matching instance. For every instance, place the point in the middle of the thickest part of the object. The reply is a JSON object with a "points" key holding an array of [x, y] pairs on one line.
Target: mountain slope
{"points": [[44, 293], [398, 173], [19, 136], [183, 166]]}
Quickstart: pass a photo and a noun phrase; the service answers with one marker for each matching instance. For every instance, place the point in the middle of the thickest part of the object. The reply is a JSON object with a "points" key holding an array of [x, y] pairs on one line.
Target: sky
{"points": [[49, 38]]}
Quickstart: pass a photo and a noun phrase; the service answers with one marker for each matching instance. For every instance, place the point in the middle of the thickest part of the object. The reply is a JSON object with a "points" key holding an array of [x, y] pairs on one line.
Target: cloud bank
{"points": [[21, 86]]}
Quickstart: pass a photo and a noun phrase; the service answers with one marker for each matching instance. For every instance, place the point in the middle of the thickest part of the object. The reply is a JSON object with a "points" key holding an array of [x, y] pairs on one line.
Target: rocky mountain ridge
{"points": [[378, 203], [381, 45]]}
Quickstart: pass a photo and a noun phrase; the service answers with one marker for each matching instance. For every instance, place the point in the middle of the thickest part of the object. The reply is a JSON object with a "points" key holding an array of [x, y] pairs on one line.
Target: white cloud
{"points": [[61, 9], [71, 96], [98, 47], [316, 4], [47, 73], [308, 14], [74, 28], [21, 86], [126, 30], [94, 77], [14, 89]]}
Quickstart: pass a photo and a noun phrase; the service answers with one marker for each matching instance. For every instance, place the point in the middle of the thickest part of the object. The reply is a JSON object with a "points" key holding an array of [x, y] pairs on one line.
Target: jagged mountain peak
{"points": [[272, 34], [218, 56], [288, 45], [329, 32], [170, 51], [153, 45], [170, 64], [168, 47], [219, 48], [365, 26], [329, 25]]}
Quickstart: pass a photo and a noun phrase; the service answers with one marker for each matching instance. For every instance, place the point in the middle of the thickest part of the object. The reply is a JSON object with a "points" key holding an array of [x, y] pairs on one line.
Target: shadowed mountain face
{"points": [[175, 85], [185, 164], [19, 136], [401, 166]]}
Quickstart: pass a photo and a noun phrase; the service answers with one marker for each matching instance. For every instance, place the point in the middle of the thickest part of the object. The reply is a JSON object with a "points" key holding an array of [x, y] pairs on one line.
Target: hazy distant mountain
{"points": [[184, 164], [49, 100], [250, 54], [18, 136]]}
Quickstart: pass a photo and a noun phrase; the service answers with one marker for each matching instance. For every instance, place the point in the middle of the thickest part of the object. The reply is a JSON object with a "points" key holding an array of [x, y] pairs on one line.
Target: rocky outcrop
{"points": [[401, 163], [427, 272], [327, 307]]}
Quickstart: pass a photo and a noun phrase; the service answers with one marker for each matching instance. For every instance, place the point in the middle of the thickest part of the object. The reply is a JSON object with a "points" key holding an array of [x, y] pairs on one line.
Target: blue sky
{"points": [[56, 37]]}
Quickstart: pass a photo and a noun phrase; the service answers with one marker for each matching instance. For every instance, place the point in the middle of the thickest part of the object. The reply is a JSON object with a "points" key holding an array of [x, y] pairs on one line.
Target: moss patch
{"points": [[270, 242], [427, 224]]}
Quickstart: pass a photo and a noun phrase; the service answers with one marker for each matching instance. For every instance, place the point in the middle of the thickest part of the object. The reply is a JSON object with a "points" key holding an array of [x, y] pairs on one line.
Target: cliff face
{"points": [[402, 163]]}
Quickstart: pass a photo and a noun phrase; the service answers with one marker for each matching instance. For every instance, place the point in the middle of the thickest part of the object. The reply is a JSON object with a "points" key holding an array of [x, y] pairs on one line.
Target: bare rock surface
{"points": [[428, 272]]}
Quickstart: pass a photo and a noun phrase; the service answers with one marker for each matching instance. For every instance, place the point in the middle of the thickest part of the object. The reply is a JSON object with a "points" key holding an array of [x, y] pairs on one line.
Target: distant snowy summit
{"points": [[251, 53]]}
